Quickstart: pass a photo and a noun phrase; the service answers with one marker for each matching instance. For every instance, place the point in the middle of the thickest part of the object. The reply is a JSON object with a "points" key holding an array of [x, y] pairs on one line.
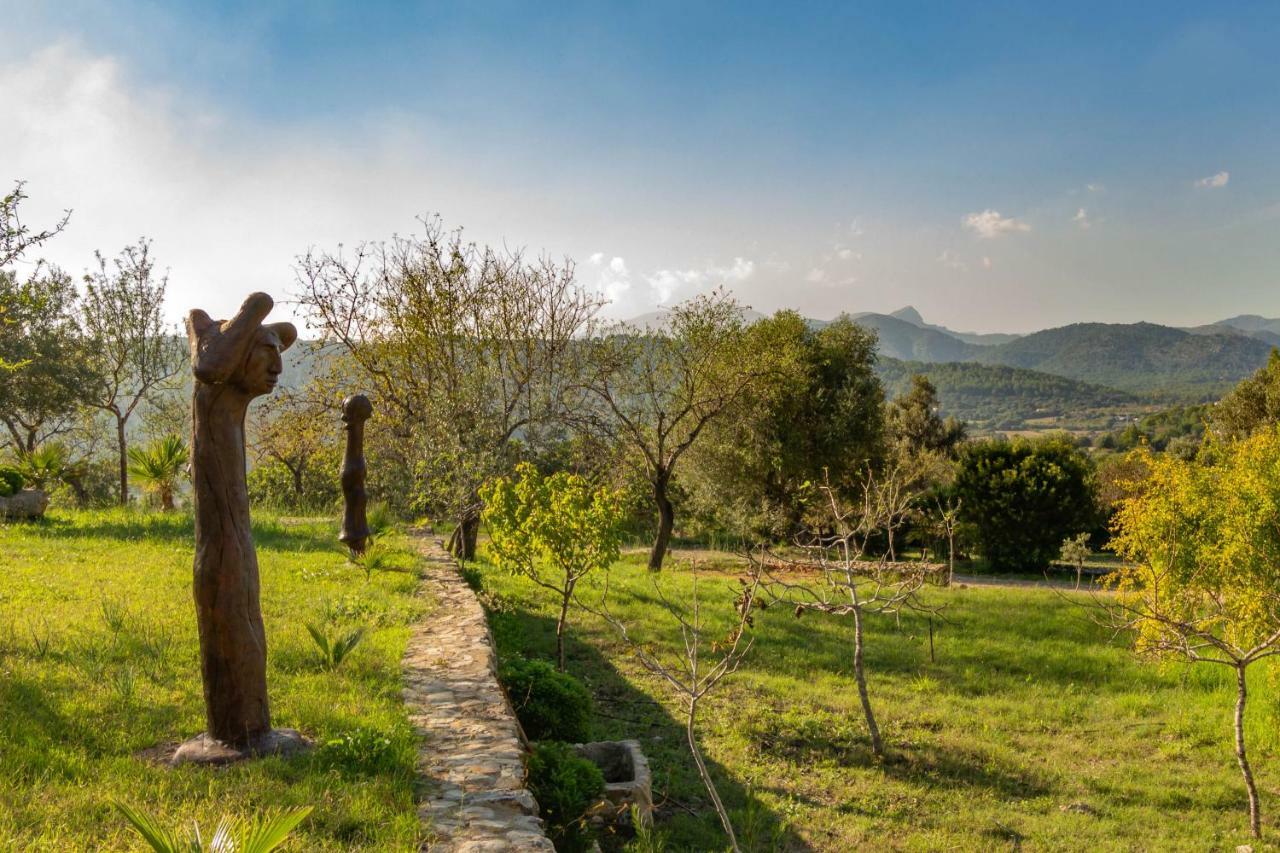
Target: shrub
{"points": [[11, 480], [1022, 498], [551, 705], [365, 752], [566, 786]]}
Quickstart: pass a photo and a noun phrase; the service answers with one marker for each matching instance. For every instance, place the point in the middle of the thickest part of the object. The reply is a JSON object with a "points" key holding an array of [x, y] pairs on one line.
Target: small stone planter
{"points": [[627, 781], [26, 504]]}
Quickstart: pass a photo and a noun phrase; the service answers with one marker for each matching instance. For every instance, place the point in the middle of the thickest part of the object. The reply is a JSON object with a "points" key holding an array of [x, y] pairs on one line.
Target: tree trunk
{"points": [[462, 542], [706, 778], [859, 675], [1255, 819], [121, 442], [564, 613], [666, 523]]}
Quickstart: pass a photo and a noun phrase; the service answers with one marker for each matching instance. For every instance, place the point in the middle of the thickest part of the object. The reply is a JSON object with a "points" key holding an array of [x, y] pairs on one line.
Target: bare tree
{"points": [[131, 352], [16, 237], [696, 667], [836, 575], [464, 345], [948, 519], [656, 390]]}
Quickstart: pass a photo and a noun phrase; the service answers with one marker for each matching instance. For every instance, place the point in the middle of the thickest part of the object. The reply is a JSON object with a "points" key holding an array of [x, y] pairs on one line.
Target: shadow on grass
{"points": [[683, 809], [174, 527]]}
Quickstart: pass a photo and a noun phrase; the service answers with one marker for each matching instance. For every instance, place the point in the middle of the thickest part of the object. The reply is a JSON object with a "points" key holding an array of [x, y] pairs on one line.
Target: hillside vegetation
{"points": [[1000, 396]]}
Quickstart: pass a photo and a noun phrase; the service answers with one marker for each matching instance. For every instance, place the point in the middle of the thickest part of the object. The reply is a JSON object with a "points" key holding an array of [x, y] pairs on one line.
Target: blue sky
{"points": [[1002, 166]]}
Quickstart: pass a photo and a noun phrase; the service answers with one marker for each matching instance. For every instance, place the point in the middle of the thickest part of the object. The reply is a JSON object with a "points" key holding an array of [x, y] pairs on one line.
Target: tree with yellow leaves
{"points": [[1201, 581]]}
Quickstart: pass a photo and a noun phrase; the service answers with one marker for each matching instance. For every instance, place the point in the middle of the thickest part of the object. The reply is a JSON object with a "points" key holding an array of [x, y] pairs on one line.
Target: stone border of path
{"points": [[472, 751]]}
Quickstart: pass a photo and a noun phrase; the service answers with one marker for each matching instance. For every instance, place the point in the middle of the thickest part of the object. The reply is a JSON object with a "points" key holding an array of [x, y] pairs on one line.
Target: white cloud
{"points": [[228, 200], [855, 229], [1214, 181], [951, 260], [986, 262], [846, 254], [1095, 188], [596, 258], [816, 275], [990, 224], [618, 266], [668, 286], [1082, 218]]}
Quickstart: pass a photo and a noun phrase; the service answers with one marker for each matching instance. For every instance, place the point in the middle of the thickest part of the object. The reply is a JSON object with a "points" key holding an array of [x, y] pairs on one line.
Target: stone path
{"points": [[472, 753]]}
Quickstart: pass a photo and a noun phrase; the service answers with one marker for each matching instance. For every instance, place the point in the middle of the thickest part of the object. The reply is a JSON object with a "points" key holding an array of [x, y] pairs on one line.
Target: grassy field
{"points": [[1032, 727], [98, 661]]}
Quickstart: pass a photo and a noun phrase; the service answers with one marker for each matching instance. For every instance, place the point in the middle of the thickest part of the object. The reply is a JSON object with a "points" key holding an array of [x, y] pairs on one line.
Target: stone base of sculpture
{"points": [[203, 749]]}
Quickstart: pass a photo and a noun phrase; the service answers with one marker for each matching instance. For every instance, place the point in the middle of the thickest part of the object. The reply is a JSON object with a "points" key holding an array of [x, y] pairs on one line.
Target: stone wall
{"points": [[472, 752]]}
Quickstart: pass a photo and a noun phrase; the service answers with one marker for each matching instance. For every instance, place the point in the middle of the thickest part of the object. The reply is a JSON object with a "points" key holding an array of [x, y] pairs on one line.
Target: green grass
{"points": [[98, 662], [1033, 726]]}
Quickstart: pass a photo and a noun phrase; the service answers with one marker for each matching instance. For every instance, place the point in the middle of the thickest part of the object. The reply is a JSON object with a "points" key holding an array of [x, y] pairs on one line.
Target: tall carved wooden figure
{"points": [[233, 361], [356, 409]]}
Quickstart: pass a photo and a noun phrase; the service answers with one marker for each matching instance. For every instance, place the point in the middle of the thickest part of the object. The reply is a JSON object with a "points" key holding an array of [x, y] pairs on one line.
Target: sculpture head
{"points": [[241, 352], [356, 409]]}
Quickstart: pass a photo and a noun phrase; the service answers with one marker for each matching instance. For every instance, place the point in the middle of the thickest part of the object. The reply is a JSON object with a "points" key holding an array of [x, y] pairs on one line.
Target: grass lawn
{"points": [[98, 661], [1032, 728]]}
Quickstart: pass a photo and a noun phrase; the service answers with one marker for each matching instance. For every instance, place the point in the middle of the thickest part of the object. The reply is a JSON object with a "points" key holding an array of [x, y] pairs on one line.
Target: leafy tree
{"points": [[1022, 498], [553, 530], [817, 413], [656, 391], [299, 432], [39, 331], [463, 347], [1251, 405], [1201, 573], [1074, 551], [131, 354], [912, 421], [160, 467]]}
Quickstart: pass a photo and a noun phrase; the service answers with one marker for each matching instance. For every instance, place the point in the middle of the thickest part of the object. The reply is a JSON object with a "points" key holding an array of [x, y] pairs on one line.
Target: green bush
{"points": [[551, 705], [566, 786], [11, 480]]}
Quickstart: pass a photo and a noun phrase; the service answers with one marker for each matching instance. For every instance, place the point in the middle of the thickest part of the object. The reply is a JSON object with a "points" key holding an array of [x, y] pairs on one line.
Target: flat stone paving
{"points": [[472, 755]]}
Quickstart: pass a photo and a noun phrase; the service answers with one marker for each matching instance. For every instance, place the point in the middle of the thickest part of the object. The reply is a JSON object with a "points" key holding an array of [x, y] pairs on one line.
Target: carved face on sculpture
{"points": [[262, 365]]}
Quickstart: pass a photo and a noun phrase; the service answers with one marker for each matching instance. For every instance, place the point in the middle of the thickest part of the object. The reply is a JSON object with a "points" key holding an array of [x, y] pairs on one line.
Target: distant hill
{"points": [[912, 316], [910, 342], [1000, 396], [1252, 323], [1141, 358]]}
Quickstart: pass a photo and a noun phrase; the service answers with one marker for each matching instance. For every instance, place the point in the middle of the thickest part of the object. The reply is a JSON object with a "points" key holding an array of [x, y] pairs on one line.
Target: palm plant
{"points": [[333, 649], [231, 835], [159, 466], [44, 466]]}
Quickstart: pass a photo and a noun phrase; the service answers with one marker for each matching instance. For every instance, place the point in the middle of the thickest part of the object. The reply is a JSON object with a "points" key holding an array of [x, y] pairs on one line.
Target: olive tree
{"points": [[1200, 578], [462, 346], [656, 391]]}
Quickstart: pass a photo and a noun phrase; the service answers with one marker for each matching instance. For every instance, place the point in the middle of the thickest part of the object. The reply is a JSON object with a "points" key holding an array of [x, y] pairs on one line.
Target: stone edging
{"points": [[472, 753]]}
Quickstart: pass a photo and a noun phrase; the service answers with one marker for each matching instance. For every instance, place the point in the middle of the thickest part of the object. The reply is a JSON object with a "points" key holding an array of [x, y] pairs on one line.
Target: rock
{"points": [[1078, 808], [27, 504]]}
